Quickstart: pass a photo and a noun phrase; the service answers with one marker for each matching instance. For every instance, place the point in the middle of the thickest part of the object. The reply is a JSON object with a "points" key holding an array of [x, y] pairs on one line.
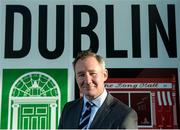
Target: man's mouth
{"points": [[88, 86]]}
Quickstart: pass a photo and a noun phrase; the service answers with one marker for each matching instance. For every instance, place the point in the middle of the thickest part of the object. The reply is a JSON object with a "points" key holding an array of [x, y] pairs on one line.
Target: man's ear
{"points": [[105, 74]]}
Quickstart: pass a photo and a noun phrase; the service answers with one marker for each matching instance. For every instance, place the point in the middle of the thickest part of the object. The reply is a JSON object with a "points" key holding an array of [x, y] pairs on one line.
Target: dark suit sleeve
{"points": [[62, 118], [130, 122], [70, 115]]}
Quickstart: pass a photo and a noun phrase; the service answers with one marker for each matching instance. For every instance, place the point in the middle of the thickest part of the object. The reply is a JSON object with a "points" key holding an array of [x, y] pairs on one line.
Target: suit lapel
{"points": [[76, 115], [102, 112]]}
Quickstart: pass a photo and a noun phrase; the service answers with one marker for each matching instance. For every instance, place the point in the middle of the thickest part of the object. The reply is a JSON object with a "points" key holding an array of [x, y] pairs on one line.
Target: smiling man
{"points": [[97, 109]]}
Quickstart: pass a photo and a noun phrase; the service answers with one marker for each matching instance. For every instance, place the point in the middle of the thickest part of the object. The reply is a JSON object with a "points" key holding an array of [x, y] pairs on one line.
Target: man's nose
{"points": [[88, 79]]}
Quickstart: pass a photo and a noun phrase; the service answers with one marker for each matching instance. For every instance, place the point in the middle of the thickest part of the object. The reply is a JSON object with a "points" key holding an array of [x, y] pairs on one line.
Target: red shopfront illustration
{"points": [[154, 99]]}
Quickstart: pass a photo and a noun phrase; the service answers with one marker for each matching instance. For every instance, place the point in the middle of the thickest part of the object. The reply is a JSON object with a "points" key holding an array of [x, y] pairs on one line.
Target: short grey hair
{"points": [[88, 53]]}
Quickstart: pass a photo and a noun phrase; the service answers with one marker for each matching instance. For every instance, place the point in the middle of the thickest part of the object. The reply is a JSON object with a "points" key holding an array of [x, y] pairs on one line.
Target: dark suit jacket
{"points": [[113, 114]]}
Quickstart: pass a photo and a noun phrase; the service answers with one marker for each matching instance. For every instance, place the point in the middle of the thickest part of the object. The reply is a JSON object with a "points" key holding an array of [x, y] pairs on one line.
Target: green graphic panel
{"points": [[32, 90]]}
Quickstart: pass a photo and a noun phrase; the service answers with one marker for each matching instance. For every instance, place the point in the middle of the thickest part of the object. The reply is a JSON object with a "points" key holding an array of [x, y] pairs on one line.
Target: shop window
{"points": [[141, 103], [122, 97]]}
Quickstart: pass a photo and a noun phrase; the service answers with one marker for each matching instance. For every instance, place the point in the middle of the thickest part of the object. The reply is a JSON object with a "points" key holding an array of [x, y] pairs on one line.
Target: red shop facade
{"points": [[153, 97]]}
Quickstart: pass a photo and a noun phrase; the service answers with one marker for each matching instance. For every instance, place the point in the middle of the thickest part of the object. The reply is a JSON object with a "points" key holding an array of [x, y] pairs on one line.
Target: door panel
{"points": [[34, 116]]}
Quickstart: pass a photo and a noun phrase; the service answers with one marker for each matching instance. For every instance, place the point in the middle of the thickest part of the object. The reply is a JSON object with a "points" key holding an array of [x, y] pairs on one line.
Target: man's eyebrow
{"points": [[80, 72], [92, 70]]}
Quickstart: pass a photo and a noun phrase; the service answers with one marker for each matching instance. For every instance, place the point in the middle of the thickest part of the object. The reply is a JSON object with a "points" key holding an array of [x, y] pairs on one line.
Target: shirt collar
{"points": [[99, 100]]}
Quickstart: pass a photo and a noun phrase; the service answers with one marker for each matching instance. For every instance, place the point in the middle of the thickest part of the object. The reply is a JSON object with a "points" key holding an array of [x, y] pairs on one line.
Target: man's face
{"points": [[90, 77]]}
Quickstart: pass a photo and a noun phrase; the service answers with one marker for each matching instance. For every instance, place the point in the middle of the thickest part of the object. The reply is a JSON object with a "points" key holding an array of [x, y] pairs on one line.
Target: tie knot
{"points": [[89, 104]]}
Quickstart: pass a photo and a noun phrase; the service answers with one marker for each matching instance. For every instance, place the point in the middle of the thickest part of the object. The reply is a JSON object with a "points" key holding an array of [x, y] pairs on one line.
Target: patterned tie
{"points": [[86, 116]]}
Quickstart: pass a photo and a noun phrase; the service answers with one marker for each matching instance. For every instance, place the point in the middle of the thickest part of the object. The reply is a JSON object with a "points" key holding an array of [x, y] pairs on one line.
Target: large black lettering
{"points": [[43, 32], [156, 22], [136, 37], [9, 31], [78, 30], [111, 53]]}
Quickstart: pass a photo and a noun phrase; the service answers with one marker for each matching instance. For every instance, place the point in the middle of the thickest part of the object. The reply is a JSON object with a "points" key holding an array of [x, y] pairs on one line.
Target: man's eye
{"points": [[81, 75], [93, 74]]}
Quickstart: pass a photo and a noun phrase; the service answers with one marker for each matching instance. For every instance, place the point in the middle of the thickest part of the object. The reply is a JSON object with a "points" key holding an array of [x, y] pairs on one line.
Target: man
{"points": [[97, 109]]}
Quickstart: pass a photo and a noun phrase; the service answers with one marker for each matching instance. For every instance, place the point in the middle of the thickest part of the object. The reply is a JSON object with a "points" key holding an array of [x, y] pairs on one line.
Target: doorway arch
{"points": [[34, 100]]}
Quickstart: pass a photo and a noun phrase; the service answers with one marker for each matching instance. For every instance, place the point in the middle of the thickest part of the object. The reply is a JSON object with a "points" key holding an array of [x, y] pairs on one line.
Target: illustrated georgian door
{"points": [[34, 116]]}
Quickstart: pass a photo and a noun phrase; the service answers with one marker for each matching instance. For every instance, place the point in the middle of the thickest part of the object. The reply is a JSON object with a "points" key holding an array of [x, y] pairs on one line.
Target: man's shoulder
{"points": [[74, 102]]}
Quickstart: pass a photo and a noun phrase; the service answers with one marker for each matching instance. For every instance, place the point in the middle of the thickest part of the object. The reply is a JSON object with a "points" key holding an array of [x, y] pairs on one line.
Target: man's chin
{"points": [[89, 94]]}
